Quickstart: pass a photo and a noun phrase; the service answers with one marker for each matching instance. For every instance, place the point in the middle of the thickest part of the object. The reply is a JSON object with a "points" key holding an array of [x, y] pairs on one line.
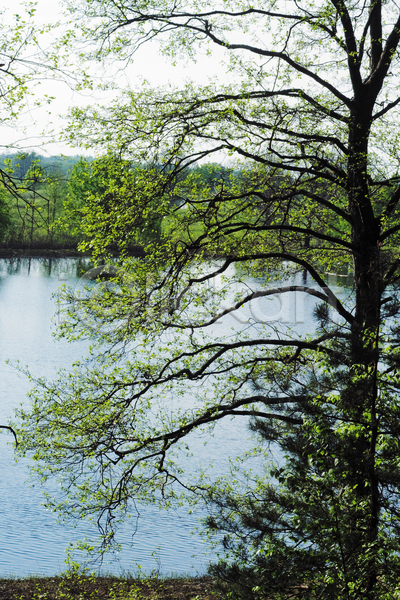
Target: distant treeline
{"points": [[21, 163], [32, 198], [44, 200]]}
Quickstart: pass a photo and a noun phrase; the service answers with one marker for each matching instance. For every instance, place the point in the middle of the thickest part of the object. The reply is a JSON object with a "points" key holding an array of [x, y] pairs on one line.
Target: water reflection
{"points": [[31, 541], [44, 267]]}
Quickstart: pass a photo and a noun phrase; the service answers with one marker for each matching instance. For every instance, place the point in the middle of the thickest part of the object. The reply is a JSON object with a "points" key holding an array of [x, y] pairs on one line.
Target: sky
{"points": [[39, 128]]}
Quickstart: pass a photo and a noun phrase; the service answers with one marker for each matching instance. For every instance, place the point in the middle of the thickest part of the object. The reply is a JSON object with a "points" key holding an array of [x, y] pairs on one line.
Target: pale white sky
{"points": [[147, 63]]}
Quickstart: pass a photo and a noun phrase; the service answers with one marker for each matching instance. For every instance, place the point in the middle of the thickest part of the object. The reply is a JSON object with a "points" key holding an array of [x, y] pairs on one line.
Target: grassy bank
{"points": [[72, 586]]}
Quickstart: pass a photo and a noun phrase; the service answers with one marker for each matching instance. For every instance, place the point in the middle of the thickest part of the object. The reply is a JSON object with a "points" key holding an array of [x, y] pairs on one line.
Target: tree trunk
{"points": [[364, 353]]}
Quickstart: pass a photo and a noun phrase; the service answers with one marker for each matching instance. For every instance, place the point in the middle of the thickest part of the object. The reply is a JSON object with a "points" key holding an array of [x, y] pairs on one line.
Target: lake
{"points": [[32, 542]]}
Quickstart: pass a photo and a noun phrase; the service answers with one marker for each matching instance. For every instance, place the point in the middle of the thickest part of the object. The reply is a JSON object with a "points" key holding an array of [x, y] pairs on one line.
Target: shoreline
{"points": [[41, 253], [75, 586], [54, 253]]}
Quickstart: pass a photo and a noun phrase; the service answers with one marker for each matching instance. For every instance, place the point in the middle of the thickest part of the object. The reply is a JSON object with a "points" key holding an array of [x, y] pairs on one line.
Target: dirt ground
{"points": [[78, 587]]}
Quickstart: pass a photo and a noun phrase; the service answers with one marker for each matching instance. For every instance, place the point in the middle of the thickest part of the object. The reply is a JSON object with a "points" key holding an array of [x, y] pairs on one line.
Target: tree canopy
{"points": [[312, 126]]}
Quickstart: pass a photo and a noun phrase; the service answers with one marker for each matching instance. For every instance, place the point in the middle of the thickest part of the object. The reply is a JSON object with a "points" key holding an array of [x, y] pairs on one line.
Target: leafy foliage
{"points": [[106, 197], [4, 215], [311, 126]]}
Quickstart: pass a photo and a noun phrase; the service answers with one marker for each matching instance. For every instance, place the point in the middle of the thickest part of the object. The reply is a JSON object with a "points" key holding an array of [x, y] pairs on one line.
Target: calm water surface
{"points": [[31, 540]]}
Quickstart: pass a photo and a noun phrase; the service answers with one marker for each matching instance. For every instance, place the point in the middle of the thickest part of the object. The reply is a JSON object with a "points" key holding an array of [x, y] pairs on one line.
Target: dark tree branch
{"points": [[392, 204], [263, 294], [332, 298], [378, 75], [387, 108], [375, 20], [213, 414], [236, 227], [389, 232], [351, 45], [12, 431]]}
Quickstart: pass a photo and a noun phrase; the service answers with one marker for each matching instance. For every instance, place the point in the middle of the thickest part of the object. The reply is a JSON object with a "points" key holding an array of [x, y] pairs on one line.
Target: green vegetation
{"points": [[34, 204], [310, 129], [65, 202], [74, 586], [25, 59]]}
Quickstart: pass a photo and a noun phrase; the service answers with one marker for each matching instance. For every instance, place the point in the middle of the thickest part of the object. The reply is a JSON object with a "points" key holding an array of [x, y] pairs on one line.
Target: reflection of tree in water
{"points": [[83, 265], [50, 266], [13, 265]]}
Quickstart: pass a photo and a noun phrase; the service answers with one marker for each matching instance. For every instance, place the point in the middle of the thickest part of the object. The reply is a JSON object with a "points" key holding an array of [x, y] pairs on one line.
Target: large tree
{"points": [[313, 121]]}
